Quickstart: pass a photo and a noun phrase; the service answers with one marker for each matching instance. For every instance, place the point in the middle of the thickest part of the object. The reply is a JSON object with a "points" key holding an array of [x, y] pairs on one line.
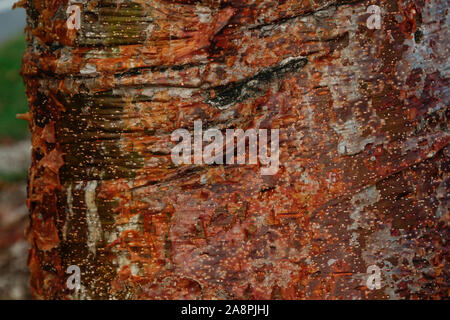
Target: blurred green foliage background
{"points": [[14, 161], [12, 90]]}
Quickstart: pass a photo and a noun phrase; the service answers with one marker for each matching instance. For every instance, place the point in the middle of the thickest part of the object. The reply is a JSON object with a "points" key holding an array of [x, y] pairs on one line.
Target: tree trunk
{"points": [[363, 159]]}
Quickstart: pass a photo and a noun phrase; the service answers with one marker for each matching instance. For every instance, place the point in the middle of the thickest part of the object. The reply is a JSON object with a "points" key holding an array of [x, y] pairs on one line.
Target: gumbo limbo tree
{"points": [[362, 182]]}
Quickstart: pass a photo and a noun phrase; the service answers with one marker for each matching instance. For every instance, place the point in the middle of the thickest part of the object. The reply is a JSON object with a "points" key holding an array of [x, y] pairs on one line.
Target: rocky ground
{"points": [[14, 276]]}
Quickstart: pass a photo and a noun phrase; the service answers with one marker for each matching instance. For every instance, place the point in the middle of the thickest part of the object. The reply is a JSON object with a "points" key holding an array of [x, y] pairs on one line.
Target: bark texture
{"points": [[364, 149]]}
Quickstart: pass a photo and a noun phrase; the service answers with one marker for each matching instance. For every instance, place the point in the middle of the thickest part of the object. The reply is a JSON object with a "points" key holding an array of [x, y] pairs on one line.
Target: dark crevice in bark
{"points": [[227, 95]]}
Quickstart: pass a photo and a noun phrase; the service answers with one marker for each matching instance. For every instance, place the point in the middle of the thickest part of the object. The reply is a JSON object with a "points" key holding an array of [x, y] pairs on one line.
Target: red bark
{"points": [[363, 177]]}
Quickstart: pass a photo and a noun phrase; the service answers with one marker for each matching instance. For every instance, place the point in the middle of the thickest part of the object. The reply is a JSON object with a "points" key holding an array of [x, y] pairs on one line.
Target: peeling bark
{"points": [[364, 149]]}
